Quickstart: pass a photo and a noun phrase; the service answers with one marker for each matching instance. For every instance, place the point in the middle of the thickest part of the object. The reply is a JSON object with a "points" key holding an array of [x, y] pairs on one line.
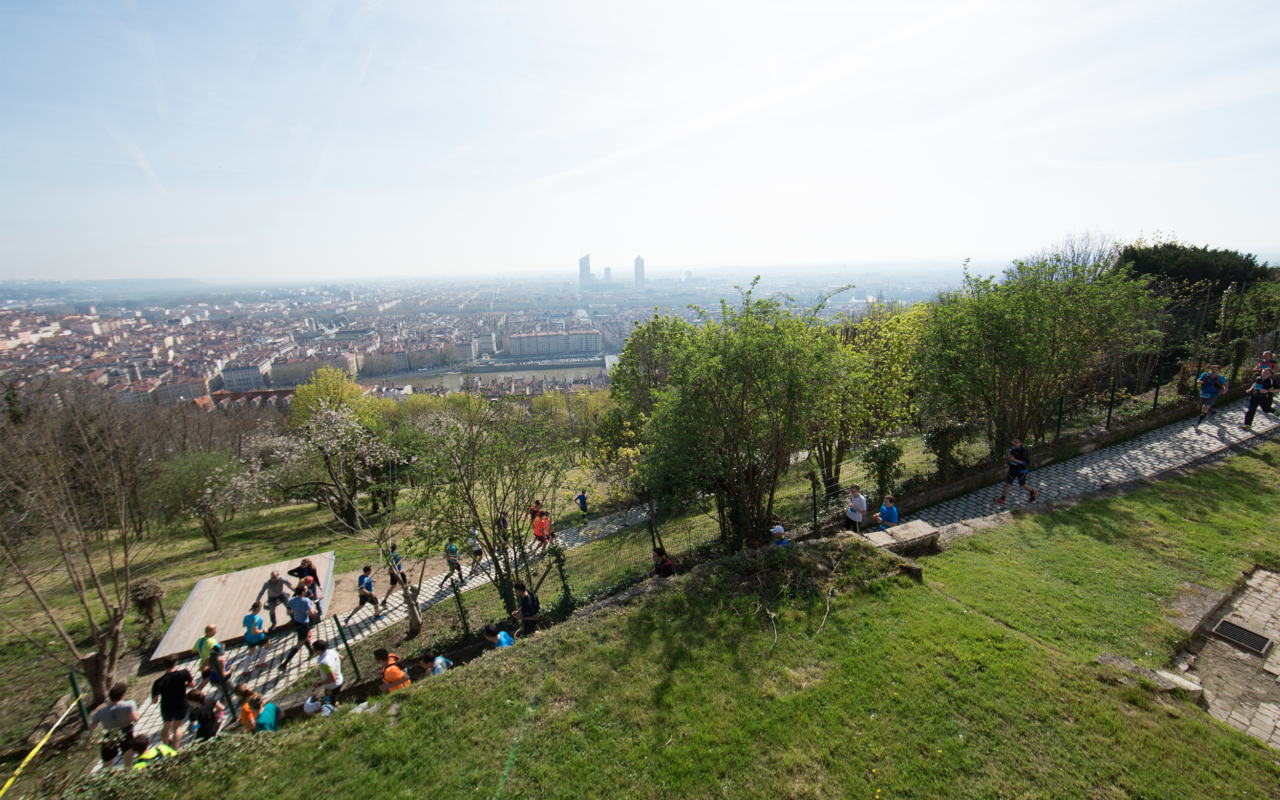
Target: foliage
{"points": [[209, 487], [737, 406], [883, 460], [332, 389], [1002, 352], [1190, 264], [945, 442]]}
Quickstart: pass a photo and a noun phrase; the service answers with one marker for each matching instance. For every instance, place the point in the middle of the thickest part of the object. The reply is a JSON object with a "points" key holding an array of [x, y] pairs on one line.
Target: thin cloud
{"points": [[130, 149]]}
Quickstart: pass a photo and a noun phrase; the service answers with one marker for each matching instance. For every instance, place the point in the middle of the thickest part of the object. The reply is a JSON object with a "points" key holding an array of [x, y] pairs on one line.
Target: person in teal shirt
{"points": [[888, 513], [451, 558], [255, 638], [268, 714], [499, 638]]}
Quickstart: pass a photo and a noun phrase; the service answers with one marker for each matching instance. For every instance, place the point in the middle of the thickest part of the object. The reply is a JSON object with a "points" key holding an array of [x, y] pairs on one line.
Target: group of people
{"points": [[1261, 393]]}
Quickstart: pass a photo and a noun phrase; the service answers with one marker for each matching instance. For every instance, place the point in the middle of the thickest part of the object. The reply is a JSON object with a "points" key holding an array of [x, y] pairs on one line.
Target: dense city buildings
{"points": [[214, 346]]}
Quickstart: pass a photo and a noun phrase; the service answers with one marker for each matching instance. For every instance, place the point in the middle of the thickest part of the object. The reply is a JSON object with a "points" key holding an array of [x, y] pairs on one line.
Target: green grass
{"points": [[1096, 577], [903, 694]]}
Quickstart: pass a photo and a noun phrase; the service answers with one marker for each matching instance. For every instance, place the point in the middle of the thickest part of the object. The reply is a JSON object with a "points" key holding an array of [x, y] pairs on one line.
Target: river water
{"points": [[452, 380]]}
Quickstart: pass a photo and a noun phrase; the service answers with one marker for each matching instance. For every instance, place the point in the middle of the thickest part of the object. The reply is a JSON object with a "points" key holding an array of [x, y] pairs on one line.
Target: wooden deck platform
{"points": [[223, 600]]}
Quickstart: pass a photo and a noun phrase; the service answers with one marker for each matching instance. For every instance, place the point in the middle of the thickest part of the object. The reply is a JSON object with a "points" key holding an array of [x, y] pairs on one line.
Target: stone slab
{"points": [[1190, 687], [1125, 665], [911, 532], [880, 539]]}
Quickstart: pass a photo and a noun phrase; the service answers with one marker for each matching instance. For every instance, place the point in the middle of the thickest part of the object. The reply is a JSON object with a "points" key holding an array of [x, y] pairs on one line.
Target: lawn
{"points": [[696, 692], [1097, 577]]}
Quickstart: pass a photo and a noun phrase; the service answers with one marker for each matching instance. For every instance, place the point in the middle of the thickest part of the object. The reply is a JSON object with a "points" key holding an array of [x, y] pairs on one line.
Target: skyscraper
{"points": [[584, 269], [608, 274], [639, 272]]}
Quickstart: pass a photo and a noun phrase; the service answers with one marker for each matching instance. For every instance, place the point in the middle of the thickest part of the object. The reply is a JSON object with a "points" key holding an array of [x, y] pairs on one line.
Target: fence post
{"points": [[1112, 401], [1062, 400], [75, 692], [813, 493], [343, 635], [1156, 403], [1275, 341]]}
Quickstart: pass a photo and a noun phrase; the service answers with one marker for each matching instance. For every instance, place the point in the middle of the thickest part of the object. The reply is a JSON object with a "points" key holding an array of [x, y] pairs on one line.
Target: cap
{"points": [[777, 529]]}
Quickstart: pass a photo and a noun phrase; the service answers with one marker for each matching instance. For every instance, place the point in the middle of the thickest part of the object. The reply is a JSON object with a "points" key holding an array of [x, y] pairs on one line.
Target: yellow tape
{"points": [[32, 754]]}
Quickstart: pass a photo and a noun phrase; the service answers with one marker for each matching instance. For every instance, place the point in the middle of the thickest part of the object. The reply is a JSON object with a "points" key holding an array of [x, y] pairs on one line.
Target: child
{"points": [[435, 665], [394, 676], [206, 717]]}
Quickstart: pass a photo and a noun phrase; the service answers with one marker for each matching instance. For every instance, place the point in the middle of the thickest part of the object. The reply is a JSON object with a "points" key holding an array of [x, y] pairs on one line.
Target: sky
{"points": [[329, 140]]}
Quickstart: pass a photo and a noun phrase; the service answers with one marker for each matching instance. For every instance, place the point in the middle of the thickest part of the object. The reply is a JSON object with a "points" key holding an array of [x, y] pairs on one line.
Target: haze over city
{"points": [[305, 142]]}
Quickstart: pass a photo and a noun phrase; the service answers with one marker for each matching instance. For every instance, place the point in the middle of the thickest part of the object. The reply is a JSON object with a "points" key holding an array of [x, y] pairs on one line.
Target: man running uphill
{"points": [[1211, 385], [1019, 466]]}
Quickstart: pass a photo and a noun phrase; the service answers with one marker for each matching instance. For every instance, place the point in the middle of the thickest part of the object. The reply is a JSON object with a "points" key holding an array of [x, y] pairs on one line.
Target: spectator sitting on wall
{"points": [[888, 514]]}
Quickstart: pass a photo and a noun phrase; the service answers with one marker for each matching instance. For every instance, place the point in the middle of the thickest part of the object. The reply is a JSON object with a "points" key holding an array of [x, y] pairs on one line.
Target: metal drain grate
{"points": [[1247, 639]]}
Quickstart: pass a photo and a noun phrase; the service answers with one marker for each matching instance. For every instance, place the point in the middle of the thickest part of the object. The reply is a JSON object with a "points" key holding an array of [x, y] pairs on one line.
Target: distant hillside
{"points": [[98, 289]]}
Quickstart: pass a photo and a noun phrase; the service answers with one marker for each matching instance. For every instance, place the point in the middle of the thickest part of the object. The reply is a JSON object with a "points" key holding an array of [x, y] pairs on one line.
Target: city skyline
{"points": [[397, 139]]}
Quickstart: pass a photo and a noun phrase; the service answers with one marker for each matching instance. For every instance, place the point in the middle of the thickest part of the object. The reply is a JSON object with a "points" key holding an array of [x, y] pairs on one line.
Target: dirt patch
{"points": [[346, 599]]}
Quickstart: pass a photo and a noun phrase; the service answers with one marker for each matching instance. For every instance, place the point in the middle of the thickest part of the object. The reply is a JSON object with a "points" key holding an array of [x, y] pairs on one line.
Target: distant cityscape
{"points": [[176, 341]]}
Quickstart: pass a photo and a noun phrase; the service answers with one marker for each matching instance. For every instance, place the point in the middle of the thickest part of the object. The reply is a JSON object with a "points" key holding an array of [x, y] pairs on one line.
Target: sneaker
{"points": [[1000, 500], [1213, 412], [1032, 497], [1249, 427]]}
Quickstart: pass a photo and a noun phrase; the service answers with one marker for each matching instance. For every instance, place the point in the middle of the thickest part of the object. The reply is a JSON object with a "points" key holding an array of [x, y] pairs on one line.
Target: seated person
{"points": [[888, 516], [779, 536], [662, 565]]}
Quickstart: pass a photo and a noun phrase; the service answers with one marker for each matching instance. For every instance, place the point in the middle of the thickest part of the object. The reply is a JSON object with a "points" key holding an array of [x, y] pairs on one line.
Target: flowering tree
{"points": [[209, 488]]}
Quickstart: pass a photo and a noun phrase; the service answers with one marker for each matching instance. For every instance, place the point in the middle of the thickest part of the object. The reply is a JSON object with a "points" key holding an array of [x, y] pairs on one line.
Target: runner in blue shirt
{"points": [[451, 558], [888, 513], [1211, 385], [255, 638], [1019, 465], [395, 573], [581, 500], [364, 587]]}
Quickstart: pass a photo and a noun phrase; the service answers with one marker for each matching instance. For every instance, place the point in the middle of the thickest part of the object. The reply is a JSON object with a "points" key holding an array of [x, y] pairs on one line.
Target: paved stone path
{"points": [[1144, 456], [1240, 687], [271, 682]]}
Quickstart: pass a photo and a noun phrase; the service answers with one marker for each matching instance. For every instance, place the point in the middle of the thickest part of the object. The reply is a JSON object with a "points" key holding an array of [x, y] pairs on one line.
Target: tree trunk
{"points": [[211, 533]]}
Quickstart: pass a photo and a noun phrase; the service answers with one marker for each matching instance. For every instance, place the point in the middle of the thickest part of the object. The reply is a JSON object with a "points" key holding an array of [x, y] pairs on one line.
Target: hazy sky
{"points": [[290, 140]]}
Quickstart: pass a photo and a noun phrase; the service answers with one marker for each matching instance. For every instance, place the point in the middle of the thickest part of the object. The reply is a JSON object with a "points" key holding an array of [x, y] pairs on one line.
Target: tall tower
{"points": [[608, 274], [584, 269], [639, 272]]}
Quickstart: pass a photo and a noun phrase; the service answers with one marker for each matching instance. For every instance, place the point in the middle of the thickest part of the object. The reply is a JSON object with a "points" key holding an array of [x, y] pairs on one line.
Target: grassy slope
{"points": [[905, 693]]}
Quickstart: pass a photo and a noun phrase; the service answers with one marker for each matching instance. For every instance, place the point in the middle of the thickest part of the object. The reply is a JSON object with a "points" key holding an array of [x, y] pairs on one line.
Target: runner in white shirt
{"points": [[330, 668]]}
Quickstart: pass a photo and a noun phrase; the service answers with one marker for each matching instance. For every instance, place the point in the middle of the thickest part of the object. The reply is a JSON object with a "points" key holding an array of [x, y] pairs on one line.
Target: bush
{"points": [[883, 460]]}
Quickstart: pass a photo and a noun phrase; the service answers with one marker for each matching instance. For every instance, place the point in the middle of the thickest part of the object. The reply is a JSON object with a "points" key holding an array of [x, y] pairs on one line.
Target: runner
{"points": [[206, 716], [203, 647], [581, 500], [1211, 385], [540, 522], [117, 719], [277, 591], [395, 573], [662, 565], [1260, 396], [527, 613], [170, 691], [219, 671], [477, 552], [451, 558], [499, 638], [393, 674], [535, 511], [1019, 465], [306, 570], [255, 638], [330, 671], [303, 611], [311, 588], [856, 510], [148, 755], [364, 585]]}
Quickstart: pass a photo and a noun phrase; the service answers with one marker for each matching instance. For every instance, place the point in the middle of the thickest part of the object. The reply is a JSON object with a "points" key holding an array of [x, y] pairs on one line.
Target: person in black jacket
{"points": [[527, 613], [662, 566], [1260, 396]]}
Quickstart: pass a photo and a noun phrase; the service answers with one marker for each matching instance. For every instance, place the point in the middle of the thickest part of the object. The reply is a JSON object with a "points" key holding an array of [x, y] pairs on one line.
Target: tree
{"points": [[738, 405], [331, 389], [495, 460], [208, 487], [865, 389], [1001, 353], [73, 476]]}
